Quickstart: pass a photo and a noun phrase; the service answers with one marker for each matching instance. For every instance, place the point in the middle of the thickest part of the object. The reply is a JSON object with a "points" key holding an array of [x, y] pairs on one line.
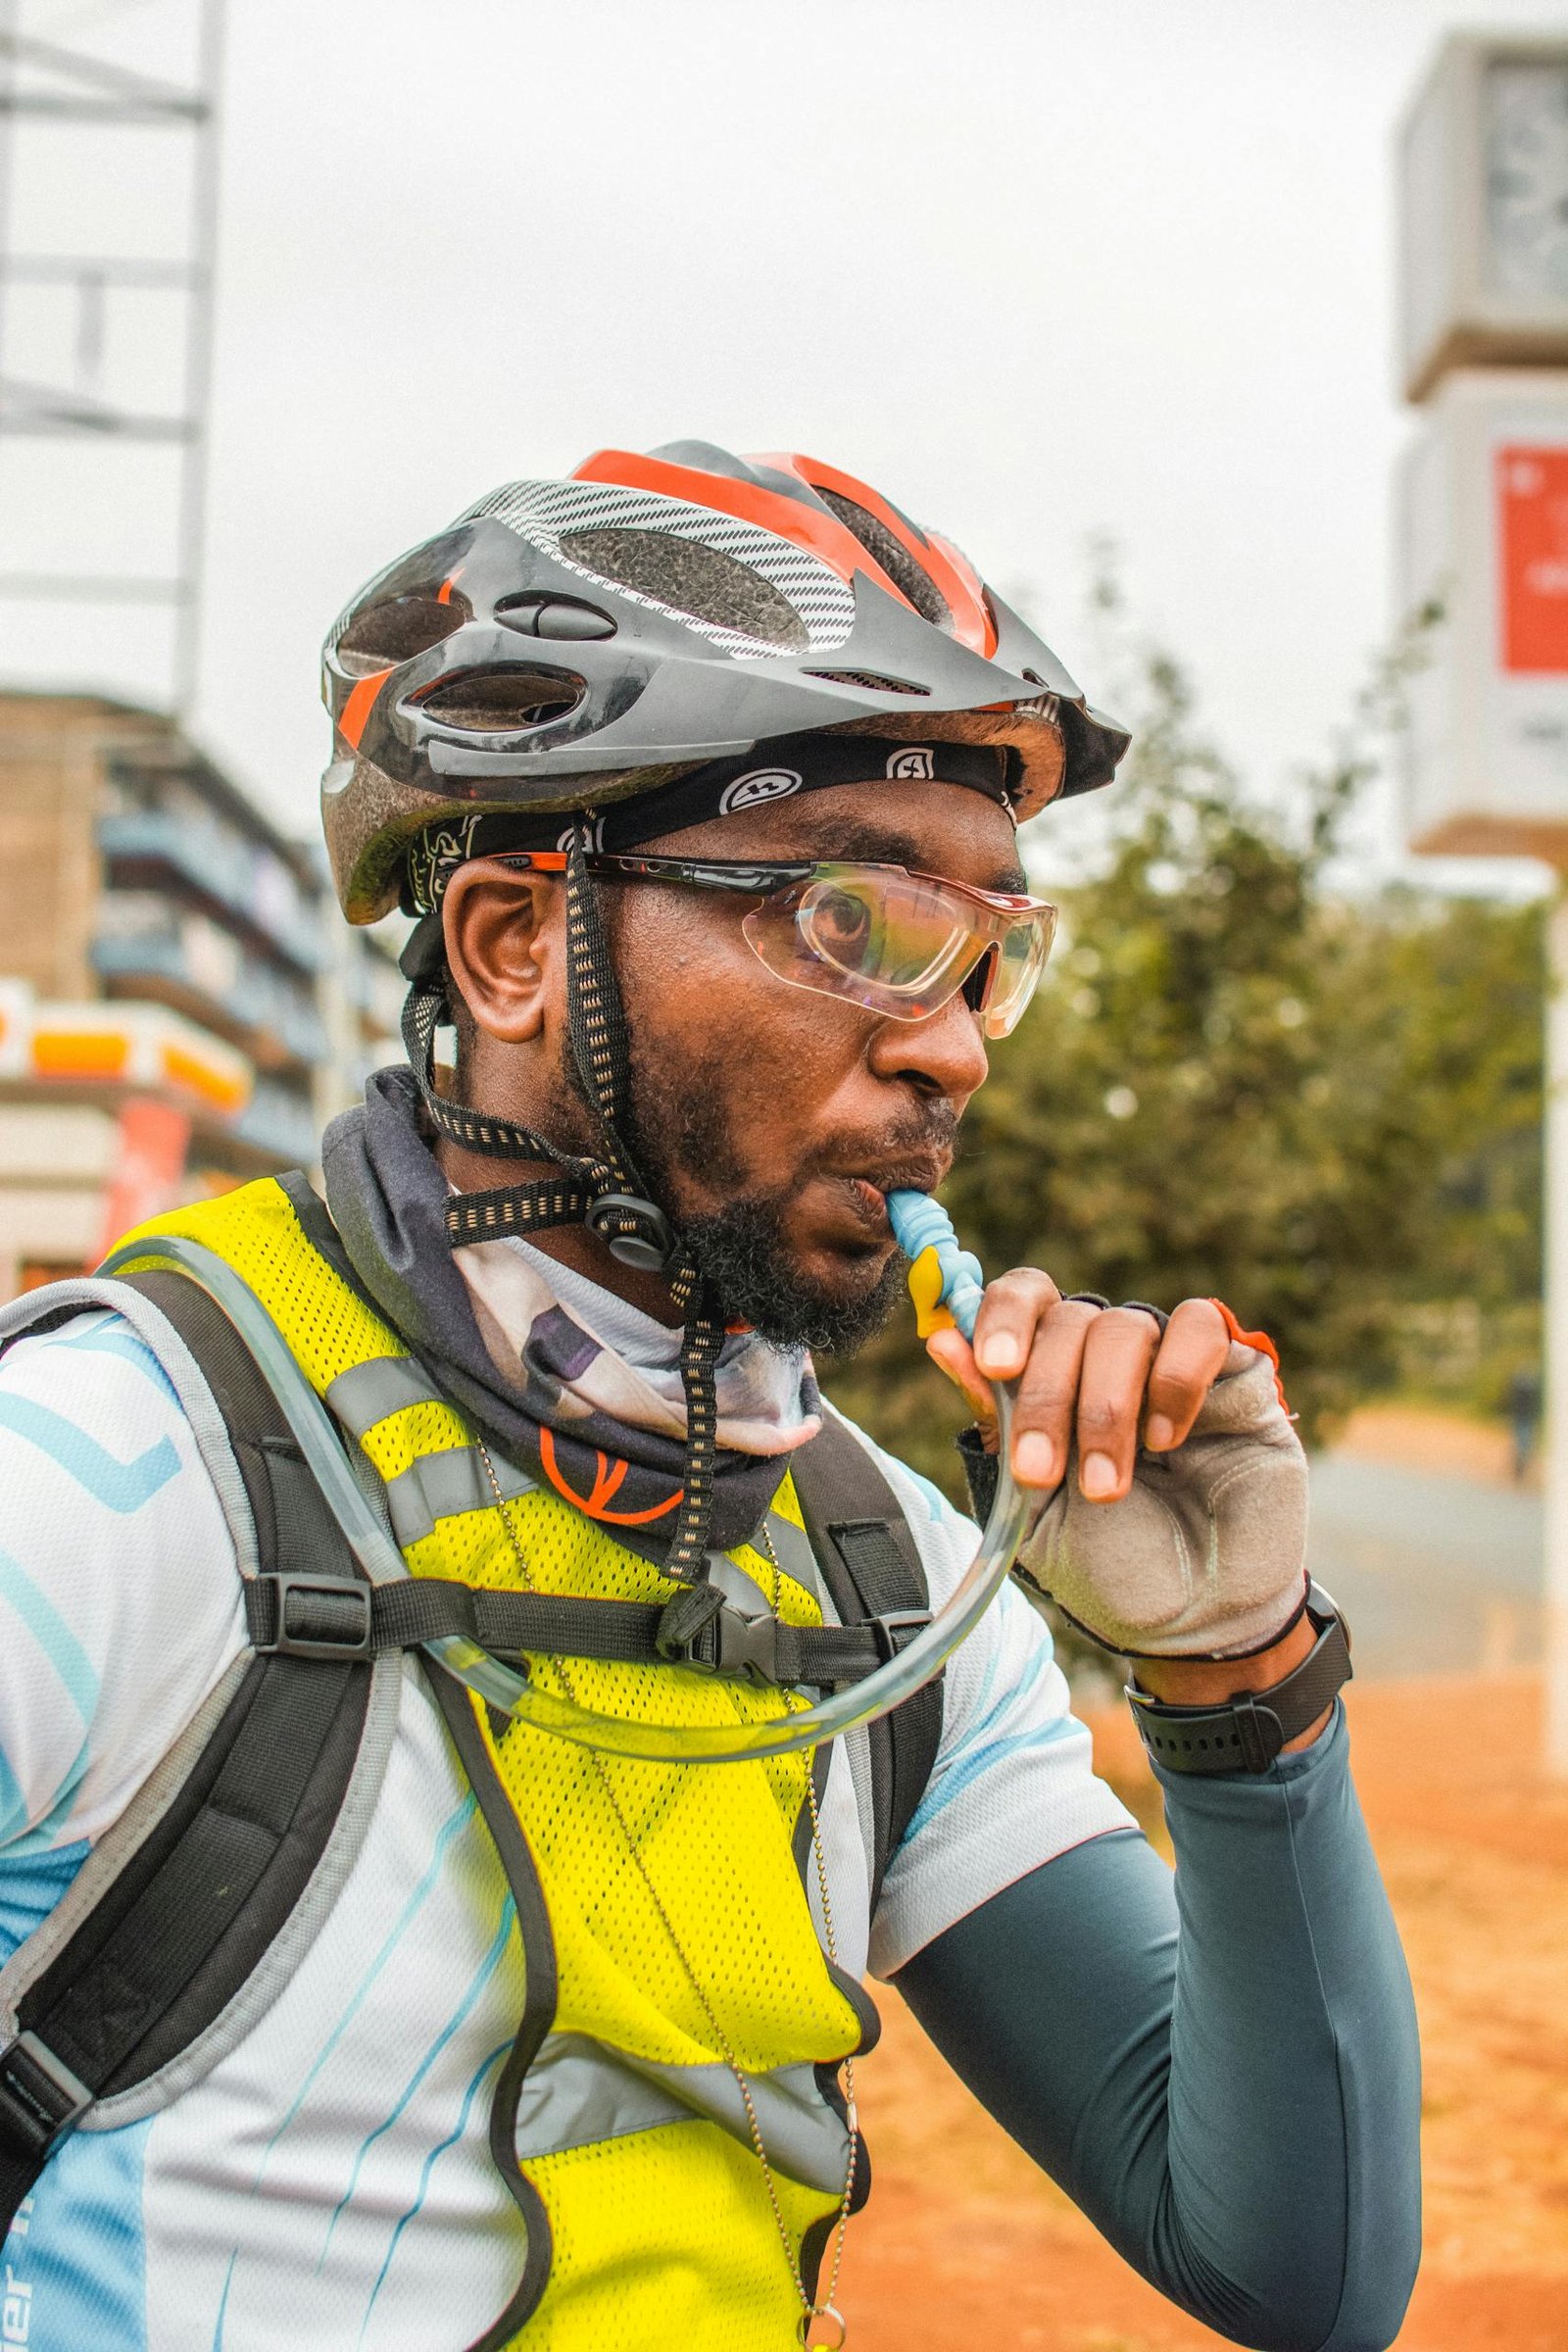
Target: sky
{"points": [[1043, 270]]}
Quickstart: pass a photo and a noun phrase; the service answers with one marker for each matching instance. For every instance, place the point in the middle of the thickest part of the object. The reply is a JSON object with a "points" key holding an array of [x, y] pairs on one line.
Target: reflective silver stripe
{"points": [[578, 2092], [738, 1586], [575, 2094], [438, 1485], [745, 1592], [794, 1554], [369, 1393]]}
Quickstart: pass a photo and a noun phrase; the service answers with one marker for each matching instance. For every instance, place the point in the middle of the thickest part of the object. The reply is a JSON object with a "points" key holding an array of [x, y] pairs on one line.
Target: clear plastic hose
{"points": [[947, 1282]]}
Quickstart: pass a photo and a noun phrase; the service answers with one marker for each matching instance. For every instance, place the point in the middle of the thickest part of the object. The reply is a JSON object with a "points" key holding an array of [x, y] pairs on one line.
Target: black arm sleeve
{"points": [[1222, 2071]]}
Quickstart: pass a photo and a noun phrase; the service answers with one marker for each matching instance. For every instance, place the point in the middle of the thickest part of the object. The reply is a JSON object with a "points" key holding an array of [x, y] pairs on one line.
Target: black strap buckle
{"points": [[40, 2098], [309, 1617], [1258, 1728], [896, 1628], [745, 1646], [700, 1629]]}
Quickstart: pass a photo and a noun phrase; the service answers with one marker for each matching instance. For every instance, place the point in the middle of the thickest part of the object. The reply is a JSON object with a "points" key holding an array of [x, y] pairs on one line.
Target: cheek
{"points": [[702, 1006]]}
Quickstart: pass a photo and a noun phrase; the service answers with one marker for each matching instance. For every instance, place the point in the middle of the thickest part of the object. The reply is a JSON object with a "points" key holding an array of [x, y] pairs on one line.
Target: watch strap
{"points": [[1245, 1731]]}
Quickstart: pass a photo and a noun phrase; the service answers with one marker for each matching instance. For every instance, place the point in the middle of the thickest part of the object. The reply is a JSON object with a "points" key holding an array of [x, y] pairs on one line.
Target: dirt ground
{"points": [[1420, 1437], [965, 2243]]}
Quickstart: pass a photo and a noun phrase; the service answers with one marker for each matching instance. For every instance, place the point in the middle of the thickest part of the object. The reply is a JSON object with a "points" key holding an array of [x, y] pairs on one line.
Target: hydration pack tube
{"points": [[204, 1896]]}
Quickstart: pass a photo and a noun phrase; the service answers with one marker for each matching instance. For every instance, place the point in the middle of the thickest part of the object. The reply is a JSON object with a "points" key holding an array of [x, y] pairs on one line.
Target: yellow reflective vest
{"points": [[645, 2215]]}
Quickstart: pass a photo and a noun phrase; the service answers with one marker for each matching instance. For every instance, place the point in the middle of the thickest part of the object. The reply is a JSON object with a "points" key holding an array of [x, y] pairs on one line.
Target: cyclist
{"points": [[340, 2006]]}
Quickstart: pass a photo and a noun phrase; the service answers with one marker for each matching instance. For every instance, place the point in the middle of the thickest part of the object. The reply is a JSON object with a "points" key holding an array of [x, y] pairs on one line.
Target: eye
{"points": [[839, 925]]}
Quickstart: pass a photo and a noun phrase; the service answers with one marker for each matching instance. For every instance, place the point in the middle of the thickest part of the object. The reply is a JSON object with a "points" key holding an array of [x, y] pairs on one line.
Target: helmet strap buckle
{"points": [[637, 1231]]}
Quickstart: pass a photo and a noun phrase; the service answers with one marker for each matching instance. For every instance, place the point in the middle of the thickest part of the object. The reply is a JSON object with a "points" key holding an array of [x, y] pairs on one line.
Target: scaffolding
{"points": [[75, 320]]}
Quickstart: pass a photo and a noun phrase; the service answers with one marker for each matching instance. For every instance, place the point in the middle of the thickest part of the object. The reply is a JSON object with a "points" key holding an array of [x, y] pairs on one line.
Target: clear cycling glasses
{"points": [[903, 943], [897, 942]]}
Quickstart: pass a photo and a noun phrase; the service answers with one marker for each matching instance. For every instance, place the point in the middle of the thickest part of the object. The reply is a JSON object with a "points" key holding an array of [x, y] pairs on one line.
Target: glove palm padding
{"points": [[1207, 1555]]}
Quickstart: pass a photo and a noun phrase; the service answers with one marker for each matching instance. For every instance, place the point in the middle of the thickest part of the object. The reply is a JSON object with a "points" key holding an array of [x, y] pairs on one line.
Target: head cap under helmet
{"points": [[565, 645]]}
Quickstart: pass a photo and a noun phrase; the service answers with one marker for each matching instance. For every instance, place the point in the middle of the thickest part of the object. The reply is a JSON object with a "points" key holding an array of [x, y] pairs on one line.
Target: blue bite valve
{"points": [[940, 1273]]}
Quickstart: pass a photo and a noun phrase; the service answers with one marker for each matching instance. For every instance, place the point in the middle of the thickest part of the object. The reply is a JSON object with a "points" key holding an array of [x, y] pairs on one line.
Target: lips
{"points": [[870, 1187]]}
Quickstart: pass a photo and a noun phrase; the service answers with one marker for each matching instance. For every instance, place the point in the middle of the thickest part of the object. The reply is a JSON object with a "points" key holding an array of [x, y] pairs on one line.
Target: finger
{"points": [[1005, 1328], [1042, 1420], [952, 1354], [1192, 1356], [1117, 1354]]}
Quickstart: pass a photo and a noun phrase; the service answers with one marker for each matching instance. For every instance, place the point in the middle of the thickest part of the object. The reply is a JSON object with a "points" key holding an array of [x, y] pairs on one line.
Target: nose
{"points": [[943, 1055]]}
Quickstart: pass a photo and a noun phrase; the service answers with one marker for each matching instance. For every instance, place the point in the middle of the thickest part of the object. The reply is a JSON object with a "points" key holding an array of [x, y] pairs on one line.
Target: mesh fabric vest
{"points": [[630, 2130]]}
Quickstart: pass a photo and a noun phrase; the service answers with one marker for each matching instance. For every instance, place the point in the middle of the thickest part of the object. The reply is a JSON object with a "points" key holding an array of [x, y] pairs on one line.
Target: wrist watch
{"points": [[1245, 1731]]}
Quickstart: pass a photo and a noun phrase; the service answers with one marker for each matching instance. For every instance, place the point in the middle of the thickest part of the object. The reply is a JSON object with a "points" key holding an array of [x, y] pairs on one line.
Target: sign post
{"points": [[1556, 1338], [1484, 538]]}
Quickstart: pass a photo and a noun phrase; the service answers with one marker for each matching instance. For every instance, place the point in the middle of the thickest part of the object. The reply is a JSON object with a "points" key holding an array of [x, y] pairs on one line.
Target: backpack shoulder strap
{"points": [[871, 1564], [172, 1933]]}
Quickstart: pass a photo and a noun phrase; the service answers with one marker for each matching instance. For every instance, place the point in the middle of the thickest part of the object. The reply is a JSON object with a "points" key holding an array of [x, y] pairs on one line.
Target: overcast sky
{"points": [[1038, 269]]}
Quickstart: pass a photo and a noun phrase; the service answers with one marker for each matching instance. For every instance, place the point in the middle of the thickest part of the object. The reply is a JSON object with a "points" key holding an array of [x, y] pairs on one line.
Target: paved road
{"points": [[1435, 1573]]}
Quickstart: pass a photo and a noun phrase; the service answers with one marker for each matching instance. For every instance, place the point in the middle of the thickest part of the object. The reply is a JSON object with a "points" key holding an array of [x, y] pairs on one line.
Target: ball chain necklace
{"points": [[821, 2310]]}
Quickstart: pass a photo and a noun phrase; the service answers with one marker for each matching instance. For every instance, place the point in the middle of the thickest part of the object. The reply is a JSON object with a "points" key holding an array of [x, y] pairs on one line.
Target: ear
{"points": [[505, 938]]}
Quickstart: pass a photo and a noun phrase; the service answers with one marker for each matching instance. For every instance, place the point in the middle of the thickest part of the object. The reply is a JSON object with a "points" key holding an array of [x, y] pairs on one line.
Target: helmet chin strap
{"points": [[603, 1189]]}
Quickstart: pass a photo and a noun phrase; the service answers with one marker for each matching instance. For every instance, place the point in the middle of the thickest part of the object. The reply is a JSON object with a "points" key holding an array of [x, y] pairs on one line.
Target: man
{"points": [[700, 775]]}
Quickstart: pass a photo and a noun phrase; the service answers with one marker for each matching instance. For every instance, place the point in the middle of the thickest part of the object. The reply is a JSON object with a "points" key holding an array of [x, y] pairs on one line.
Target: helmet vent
{"points": [[884, 548], [500, 702], [686, 576], [395, 631], [869, 679]]}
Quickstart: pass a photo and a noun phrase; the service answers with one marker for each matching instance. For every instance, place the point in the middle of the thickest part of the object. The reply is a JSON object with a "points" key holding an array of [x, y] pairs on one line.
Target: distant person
{"points": [[1524, 1419], [355, 2012]]}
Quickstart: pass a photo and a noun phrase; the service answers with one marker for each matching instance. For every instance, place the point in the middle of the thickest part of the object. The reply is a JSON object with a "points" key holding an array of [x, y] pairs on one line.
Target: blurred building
{"points": [[181, 1006]]}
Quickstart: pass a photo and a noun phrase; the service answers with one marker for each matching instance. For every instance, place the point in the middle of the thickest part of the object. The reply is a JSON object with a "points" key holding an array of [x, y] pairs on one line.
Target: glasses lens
{"points": [[898, 943], [891, 931], [1020, 961]]}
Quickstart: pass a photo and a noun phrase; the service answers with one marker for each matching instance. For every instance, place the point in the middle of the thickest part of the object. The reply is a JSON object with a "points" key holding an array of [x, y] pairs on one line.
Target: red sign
{"points": [[1533, 552], [148, 1164]]}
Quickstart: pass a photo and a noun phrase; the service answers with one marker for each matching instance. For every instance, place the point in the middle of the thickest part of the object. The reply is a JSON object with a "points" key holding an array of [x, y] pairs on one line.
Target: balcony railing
{"points": [[276, 1019], [280, 1123], [243, 878]]}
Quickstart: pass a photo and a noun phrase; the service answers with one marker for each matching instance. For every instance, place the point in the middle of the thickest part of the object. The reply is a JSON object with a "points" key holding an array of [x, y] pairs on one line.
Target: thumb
{"points": [[952, 1354]]}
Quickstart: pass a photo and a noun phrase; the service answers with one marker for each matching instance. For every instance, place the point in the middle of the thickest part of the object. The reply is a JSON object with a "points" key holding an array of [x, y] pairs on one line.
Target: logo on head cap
{"points": [[762, 784], [917, 763], [595, 836]]}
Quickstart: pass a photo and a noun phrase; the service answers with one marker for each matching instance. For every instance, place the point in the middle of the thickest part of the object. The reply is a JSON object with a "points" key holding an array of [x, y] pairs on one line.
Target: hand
{"points": [[1091, 1380], [1189, 1545]]}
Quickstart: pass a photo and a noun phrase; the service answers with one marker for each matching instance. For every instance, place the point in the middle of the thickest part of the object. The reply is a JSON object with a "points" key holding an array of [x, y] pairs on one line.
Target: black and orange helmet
{"points": [[564, 644]]}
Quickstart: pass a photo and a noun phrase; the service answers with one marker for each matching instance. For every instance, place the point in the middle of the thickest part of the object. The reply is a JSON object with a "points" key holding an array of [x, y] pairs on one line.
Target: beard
{"points": [[741, 1255], [681, 1132]]}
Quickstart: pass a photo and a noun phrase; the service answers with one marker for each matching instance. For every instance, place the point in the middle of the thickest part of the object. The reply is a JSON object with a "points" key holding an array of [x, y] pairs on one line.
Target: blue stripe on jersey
{"points": [[49, 1629], [979, 1753], [451, 2140], [456, 1821], [113, 1338], [81, 2253], [31, 1890], [482, 1976], [13, 1804], [223, 2303], [122, 1487], [40, 1838], [936, 1502], [80, 1678]]}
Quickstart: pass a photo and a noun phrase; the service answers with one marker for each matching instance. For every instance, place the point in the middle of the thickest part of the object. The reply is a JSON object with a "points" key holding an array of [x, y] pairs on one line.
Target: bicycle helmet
{"points": [[566, 645]]}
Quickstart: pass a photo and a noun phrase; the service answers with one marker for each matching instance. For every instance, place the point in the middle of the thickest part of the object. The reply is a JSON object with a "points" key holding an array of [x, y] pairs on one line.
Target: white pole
{"points": [[1555, 1336]]}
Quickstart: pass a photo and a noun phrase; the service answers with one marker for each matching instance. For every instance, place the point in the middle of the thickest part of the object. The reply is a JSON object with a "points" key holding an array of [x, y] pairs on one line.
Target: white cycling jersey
{"points": [[328, 2179]]}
